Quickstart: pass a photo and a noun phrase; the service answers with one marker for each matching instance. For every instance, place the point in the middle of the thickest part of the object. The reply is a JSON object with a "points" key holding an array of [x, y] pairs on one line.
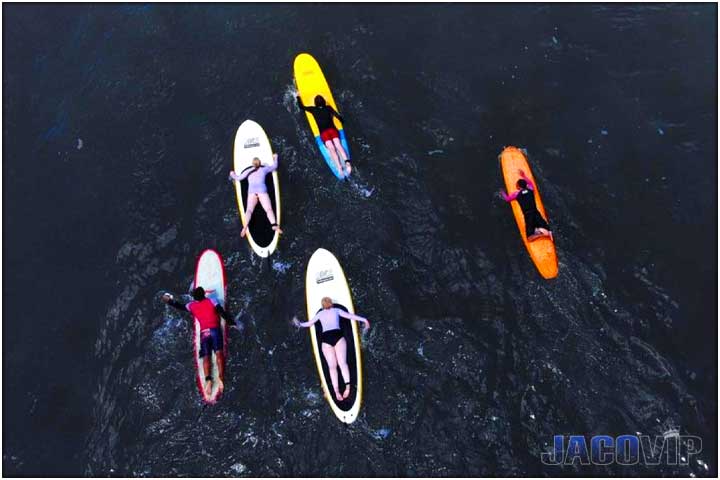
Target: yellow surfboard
{"points": [[310, 81]]}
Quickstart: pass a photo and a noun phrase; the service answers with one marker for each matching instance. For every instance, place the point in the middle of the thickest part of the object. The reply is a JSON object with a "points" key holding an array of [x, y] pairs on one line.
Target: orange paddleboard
{"points": [[542, 250]]}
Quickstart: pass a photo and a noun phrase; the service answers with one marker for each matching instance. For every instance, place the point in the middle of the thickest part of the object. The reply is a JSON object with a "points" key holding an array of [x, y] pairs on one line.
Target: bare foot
{"points": [[346, 393], [338, 396], [244, 231], [221, 386], [535, 236], [208, 387], [540, 233]]}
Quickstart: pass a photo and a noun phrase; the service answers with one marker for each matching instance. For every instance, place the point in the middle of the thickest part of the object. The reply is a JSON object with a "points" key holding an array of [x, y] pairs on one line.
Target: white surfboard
{"points": [[251, 142], [325, 278], [210, 275]]}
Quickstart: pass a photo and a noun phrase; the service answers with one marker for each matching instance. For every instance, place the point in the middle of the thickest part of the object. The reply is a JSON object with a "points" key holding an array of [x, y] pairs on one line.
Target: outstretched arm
{"points": [[529, 182], [224, 314], [351, 316], [242, 176], [300, 104], [332, 110], [310, 323], [274, 166], [178, 305], [168, 299], [509, 198]]}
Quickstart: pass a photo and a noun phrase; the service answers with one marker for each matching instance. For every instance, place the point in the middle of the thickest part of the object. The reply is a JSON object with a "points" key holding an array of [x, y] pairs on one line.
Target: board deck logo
{"points": [[324, 276], [252, 142]]}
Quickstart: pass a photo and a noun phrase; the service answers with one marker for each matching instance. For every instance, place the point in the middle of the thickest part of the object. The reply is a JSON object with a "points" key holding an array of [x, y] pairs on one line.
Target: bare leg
{"points": [[341, 353], [207, 367], [340, 149], [333, 154], [329, 354], [267, 206], [343, 155], [221, 370], [544, 232], [251, 202], [540, 233]]}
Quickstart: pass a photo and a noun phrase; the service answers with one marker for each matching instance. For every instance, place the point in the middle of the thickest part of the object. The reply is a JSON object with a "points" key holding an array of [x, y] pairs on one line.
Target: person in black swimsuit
{"points": [[535, 225], [333, 343]]}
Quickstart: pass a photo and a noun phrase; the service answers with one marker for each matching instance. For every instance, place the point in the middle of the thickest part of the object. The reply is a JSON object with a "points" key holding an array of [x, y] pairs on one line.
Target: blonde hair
{"points": [[325, 300]]}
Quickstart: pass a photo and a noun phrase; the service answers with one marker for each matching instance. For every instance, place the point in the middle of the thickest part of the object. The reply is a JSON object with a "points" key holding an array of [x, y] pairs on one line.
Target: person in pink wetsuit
{"points": [[535, 225], [334, 345], [257, 191]]}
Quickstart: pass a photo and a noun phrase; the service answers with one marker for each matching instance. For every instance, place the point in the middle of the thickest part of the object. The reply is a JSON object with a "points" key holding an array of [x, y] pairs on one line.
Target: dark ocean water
{"points": [[118, 123]]}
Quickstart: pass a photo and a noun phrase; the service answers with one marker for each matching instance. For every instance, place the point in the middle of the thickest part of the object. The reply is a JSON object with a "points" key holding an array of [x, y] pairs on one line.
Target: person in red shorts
{"points": [[208, 312], [330, 136]]}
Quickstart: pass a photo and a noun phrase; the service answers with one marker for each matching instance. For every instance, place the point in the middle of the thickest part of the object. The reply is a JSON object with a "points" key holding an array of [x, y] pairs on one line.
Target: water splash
{"points": [[280, 266]]}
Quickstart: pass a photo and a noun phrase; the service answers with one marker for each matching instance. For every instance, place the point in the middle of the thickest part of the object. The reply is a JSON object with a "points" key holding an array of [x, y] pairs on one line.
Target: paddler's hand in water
{"points": [[296, 322], [166, 298], [366, 325]]}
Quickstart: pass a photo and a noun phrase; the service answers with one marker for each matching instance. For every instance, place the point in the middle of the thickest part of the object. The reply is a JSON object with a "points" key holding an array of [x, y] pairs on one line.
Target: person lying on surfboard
{"points": [[334, 346], [323, 115], [535, 225], [257, 190], [208, 312]]}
